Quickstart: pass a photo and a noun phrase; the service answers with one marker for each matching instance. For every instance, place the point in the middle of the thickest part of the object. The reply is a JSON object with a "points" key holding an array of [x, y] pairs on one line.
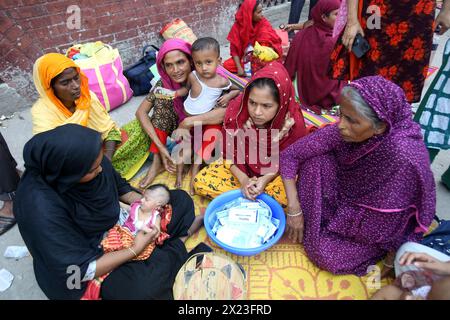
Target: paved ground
{"points": [[17, 131]]}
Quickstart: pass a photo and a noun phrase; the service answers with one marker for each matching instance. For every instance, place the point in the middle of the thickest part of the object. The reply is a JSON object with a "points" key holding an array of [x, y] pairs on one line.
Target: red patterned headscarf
{"points": [[244, 32], [237, 115]]}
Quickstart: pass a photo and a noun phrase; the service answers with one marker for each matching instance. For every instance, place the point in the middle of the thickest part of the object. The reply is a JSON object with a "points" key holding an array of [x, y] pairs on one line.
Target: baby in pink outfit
{"points": [[149, 209]]}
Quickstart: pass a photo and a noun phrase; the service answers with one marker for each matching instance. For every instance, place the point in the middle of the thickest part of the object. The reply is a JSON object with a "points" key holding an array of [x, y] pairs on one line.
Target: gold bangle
{"points": [[135, 255]]}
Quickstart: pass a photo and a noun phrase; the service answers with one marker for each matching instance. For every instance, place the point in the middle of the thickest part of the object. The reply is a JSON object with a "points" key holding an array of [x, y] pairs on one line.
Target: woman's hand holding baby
{"points": [[145, 236], [157, 223], [426, 262]]}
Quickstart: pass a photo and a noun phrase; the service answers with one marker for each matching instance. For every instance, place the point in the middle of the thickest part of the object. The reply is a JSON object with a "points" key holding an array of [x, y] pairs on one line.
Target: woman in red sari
{"points": [[250, 26]]}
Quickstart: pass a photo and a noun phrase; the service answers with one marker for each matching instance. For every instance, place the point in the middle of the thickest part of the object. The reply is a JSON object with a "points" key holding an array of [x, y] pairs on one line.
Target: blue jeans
{"points": [[296, 11]]}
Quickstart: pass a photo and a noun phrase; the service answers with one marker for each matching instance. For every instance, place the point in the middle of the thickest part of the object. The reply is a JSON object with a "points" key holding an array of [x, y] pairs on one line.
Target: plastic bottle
{"points": [[248, 63]]}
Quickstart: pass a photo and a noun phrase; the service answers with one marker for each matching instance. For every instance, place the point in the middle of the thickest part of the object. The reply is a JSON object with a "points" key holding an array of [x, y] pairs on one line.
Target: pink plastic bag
{"points": [[104, 70]]}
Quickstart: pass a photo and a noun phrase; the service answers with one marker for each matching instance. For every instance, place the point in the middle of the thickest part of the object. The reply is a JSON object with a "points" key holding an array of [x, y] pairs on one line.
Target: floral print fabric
{"points": [[400, 49]]}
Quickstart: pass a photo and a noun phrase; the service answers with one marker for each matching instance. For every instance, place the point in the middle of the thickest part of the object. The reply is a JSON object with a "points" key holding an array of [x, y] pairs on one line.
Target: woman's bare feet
{"points": [[179, 180], [155, 168], [7, 209], [194, 171]]}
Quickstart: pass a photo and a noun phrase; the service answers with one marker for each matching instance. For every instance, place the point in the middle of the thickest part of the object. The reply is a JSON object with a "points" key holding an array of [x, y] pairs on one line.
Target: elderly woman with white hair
{"points": [[364, 185]]}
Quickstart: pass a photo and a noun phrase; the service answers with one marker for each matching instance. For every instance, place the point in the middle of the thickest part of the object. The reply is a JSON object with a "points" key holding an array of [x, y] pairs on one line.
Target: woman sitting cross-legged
{"points": [[174, 65], [250, 26], [66, 202], [364, 185], [265, 118], [308, 59]]}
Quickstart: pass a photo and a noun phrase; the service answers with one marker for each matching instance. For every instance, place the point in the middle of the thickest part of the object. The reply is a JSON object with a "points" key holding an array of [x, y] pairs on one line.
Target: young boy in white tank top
{"points": [[204, 90]]}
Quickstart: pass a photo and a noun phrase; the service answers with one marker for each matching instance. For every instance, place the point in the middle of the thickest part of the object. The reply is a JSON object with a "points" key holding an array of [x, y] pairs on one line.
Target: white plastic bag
{"points": [[6, 279], [16, 252]]}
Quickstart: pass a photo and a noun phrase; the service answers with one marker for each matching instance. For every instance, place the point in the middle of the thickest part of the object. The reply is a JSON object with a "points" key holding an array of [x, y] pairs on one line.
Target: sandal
{"points": [[201, 247], [6, 223]]}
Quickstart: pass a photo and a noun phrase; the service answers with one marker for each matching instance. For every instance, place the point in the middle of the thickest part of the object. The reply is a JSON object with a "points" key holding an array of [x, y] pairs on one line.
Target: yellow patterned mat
{"points": [[283, 272]]}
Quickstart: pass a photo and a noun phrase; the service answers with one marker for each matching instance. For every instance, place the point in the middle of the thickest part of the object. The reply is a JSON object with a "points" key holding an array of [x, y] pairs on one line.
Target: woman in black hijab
{"points": [[66, 201]]}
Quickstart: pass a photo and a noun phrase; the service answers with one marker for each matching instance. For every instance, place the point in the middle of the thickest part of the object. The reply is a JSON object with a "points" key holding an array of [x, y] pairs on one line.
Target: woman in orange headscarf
{"points": [[65, 98]]}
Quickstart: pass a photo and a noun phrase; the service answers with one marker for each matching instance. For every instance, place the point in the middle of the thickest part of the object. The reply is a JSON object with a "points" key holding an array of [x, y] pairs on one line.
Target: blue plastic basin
{"points": [[277, 212]]}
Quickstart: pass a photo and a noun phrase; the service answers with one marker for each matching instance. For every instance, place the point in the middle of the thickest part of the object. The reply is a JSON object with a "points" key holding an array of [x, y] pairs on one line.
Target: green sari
{"points": [[133, 152]]}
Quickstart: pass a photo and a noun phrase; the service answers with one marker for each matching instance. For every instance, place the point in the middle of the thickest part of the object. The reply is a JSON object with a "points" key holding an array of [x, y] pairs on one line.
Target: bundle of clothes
{"points": [[85, 51]]}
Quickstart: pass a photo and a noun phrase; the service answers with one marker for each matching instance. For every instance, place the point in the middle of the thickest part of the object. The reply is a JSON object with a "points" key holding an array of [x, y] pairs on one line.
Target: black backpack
{"points": [[439, 238], [139, 75]]}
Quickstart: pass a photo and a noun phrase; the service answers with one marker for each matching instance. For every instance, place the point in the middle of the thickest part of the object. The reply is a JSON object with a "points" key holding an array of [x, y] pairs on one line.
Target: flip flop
{"points": [[6, 223]]}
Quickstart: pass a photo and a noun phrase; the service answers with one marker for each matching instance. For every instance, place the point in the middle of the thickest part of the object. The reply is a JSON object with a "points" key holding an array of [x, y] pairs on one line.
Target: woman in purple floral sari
{"points": [[364, 186]]}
